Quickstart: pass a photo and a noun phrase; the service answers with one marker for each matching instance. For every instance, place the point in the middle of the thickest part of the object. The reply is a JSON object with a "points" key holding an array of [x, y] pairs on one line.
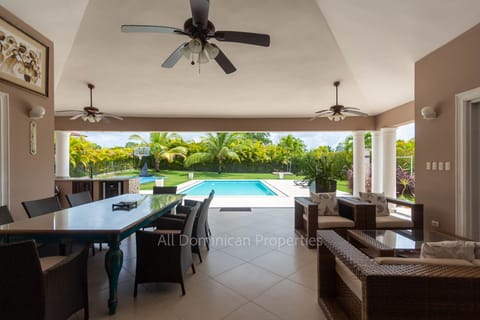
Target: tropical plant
{"points": [[289, 148], [405, 183], [219, 147], [315, 168], [161, 147]]}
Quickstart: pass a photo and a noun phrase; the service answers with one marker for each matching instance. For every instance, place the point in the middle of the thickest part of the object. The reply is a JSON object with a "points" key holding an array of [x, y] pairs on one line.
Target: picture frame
{"points": [[23, 59]]}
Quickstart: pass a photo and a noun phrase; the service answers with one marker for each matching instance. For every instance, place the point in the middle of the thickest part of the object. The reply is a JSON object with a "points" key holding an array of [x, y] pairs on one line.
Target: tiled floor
{"points": [[251, 272]]}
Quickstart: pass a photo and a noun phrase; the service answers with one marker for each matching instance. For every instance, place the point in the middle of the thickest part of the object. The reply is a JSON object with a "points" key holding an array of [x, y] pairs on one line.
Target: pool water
{"points": [[147, 179], [230, 188]]}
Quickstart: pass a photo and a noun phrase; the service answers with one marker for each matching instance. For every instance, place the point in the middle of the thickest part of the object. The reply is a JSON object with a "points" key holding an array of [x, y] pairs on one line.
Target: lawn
{"points": [[174, 177]]}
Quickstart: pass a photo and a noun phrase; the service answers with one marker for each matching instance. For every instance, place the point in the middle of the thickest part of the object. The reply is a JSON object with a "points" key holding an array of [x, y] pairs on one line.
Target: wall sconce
{"points": [[37, 112], [428, 113]]}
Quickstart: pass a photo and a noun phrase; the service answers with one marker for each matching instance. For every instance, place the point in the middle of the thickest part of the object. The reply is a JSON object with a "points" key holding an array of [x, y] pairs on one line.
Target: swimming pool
{"points": [[230, 188], [147, 179]]}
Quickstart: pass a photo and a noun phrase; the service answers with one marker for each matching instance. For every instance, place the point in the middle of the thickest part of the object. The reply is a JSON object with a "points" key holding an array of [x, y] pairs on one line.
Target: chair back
{"points": [[199, 228], [186, 238], [165, 190], [5, 216], [76, 199], [40, 207], [22, 294]]}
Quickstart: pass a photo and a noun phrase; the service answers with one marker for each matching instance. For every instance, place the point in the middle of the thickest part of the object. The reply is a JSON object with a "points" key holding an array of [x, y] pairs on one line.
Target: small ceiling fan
{"points": [[200, 30], [338, 112], [89, 113]]}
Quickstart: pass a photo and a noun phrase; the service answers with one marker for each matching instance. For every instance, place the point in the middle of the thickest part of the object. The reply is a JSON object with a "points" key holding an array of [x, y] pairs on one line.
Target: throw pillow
{"points": [[377, 199], [327, 203], [448, 250]]}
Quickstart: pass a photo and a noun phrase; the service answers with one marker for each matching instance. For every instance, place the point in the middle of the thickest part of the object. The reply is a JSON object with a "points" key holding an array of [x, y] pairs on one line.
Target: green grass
{"points": [[174, 178]]}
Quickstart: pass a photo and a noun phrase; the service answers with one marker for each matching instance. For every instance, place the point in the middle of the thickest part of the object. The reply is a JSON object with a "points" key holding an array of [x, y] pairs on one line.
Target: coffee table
{"points": [[390, 243]]}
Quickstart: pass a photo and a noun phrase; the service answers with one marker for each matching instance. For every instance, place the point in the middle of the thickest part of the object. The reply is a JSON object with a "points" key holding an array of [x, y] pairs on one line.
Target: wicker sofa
{"points": [[353, 286], [353, 214]]}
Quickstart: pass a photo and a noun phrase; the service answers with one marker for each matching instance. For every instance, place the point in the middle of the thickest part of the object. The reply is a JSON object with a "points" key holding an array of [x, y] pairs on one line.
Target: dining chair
{"points": [[165, 190], [34, 288], [165, 255], [5, 216], [200, 228], [76, 199], [35, 208]]}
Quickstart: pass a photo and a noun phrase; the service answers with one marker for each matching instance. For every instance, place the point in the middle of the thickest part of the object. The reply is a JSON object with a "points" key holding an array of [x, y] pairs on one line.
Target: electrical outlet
{"points": [[435, 223]]}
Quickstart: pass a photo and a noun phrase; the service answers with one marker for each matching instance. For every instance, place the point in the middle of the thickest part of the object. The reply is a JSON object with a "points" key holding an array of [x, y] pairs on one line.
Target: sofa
{"points": [[353, 286]]}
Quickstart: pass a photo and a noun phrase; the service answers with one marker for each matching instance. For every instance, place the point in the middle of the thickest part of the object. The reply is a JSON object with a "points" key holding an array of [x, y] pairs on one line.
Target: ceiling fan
{"points": [[337, 112], [89, 113], [200, 30]]}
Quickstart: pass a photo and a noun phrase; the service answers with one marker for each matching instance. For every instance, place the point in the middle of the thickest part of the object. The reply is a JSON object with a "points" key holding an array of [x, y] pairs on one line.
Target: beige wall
{"points": [[452, 69], [31, 176], [395, 117]]}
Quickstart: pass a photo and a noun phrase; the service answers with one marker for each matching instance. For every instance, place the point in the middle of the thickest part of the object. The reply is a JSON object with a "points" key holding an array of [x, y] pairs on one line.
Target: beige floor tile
{"points": [[248, 280], [247, 251], [279, 263], [216, 262], [251, 311], [306, 276], [291, 301]]}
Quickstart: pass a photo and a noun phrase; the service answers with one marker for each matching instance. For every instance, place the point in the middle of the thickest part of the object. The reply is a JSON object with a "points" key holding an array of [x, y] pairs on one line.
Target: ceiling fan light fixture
{"points": [[212, 51], [195, 46], [336, 117], [187, 53], [202, 57]]}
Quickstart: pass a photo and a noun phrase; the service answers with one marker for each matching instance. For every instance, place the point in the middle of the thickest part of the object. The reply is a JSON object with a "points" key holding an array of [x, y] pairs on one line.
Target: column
{"points": [[62, 154], [389, 161], [358, 162], [377, 162]]}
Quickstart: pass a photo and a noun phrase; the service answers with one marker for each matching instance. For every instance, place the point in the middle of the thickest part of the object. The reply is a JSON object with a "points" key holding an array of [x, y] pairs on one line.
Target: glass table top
{"points": [[406, 239]]}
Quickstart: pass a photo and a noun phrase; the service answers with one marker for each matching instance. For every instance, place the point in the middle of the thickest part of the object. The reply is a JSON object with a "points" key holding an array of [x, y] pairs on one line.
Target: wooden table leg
{"points": [[113, 265]]}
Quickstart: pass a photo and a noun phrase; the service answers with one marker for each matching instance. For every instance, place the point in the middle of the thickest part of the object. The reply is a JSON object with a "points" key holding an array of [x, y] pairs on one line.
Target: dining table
{"points": [[110, 220]]}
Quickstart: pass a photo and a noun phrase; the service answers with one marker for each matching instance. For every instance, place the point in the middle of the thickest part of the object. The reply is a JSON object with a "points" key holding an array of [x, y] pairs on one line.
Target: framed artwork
{"points": [[23, 60]]}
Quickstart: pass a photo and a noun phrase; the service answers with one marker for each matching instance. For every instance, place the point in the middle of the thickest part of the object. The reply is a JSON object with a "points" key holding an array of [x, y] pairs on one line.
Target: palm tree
{"points": [[219, 147], [161, 147]]}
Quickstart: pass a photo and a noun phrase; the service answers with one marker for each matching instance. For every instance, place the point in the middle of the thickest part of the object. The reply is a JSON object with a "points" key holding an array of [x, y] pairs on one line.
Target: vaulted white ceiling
{"points": [[370, 45]]}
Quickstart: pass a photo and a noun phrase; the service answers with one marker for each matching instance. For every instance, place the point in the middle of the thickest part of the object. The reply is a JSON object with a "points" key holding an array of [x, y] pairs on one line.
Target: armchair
{"points": [[394, 222], [353, 214]]}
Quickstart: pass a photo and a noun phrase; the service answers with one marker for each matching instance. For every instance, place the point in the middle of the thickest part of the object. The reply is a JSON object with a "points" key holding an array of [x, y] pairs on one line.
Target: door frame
{"points": [[4, 150]]}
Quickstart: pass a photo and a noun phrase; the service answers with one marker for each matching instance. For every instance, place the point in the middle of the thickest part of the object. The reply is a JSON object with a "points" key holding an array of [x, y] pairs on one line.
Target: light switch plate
{"points": [[440, 166], [447, 166], [428, 166], [434, 165]]}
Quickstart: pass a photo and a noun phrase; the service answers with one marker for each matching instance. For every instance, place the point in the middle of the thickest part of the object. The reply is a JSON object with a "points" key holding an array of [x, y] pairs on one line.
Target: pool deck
{"points": [[286, 190]]}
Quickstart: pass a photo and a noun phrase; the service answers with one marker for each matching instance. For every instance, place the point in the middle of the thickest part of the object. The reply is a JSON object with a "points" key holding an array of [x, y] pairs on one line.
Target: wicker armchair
{"points": [[51, 288], [352, 215], [394, 222], [165, 255], [353, 286]]}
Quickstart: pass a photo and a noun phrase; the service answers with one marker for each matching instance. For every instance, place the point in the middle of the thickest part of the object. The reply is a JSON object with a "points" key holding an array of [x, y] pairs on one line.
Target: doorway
{"points": [[4, 151]]}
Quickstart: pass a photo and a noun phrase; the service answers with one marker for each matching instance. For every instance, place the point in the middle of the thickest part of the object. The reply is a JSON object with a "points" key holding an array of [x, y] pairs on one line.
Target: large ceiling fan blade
{"points": [[104, 115], [174, 57], [258, 39], [200, 13], [150, 29], [224, 62], [350, 108], [76, 116], [358, 113], [323, 111]]}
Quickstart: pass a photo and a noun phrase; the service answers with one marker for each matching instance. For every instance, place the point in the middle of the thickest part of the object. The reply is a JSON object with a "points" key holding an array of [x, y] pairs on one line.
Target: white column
{"points": [[62, 154], [358, 162], [377, 162], [389, 161]]}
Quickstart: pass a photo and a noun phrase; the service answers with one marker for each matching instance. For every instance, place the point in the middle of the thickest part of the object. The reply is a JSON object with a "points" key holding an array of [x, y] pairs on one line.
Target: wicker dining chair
{"points": [[200, 227], [52, 288], [5, 216], [77, 199], [35, 208], [165, 190], [165, 255]]}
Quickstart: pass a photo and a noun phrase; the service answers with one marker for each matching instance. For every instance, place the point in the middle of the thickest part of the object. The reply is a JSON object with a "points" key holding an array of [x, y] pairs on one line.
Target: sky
{"points": [[311, 139]]}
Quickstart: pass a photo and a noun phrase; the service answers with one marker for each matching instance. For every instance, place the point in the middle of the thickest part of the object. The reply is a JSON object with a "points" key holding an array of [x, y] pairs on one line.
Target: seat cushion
{"points": [[49, 262], [391, 222], [347, 276], [327, 203], [378, 199], [449, 250], [331, 222]]}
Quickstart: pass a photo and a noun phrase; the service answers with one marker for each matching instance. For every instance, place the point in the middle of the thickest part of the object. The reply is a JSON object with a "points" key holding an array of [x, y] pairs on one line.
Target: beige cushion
{"points": [[377, 199], [327, 203], [476, 262], [352, 282], [449, 250], [49, 262], [331, 222], [391, 222], [429, 261]]}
